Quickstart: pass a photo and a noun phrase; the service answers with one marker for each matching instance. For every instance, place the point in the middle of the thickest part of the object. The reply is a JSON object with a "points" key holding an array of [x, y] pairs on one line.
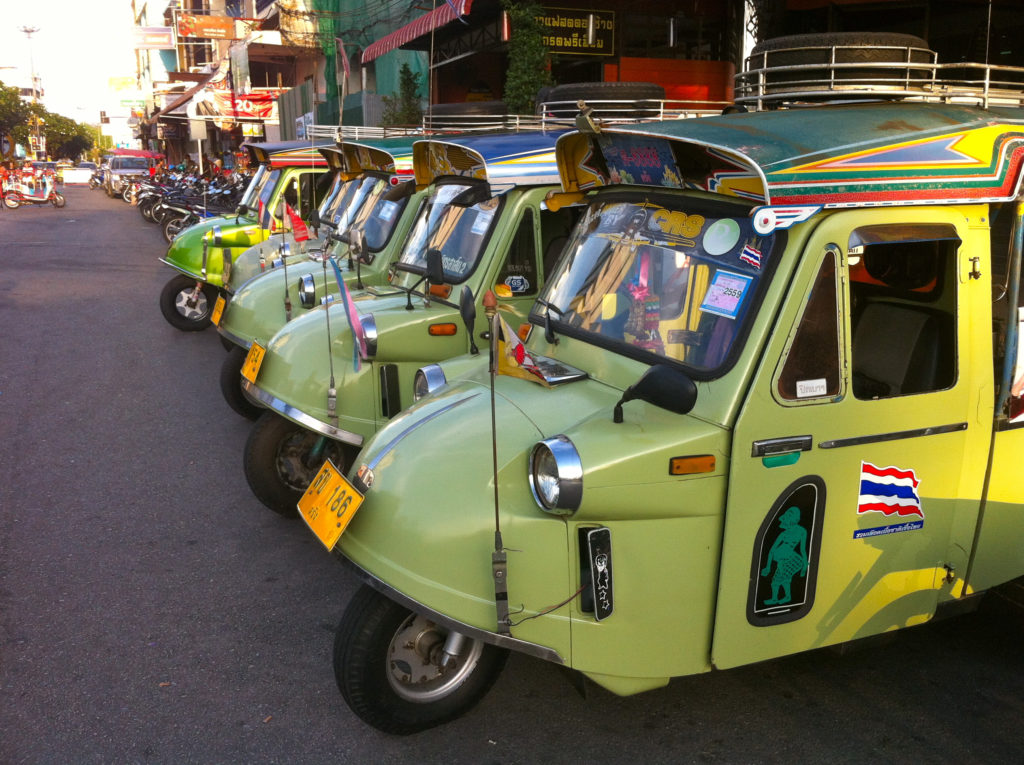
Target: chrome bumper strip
{"points": [[297, 415], [502, 641]]}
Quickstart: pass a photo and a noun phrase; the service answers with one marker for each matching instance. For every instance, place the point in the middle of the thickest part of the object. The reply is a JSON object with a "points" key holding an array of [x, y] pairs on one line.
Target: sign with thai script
{"points": [[209, 27], [578, 31], [153, 38]]}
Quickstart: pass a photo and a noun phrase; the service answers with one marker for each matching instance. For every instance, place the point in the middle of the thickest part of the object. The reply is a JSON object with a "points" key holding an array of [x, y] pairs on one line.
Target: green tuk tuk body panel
{"points": [[996, 557], [833, 506]]}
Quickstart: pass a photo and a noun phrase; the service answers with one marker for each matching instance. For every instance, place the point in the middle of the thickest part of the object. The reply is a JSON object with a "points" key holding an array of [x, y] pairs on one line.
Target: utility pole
{"points": [[38, 147]]}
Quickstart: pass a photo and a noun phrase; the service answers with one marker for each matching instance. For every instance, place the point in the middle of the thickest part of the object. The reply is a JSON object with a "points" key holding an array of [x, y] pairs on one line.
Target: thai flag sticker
{"points": [[888, 490], [751, 255]]}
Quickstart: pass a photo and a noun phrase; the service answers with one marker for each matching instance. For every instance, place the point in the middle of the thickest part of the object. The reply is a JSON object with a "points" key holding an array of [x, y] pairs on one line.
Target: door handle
{"points": [[770, 446]]}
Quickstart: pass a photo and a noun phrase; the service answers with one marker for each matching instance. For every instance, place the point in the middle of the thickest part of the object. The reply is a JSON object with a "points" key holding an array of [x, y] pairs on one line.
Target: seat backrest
{"points": [[898, 350]]}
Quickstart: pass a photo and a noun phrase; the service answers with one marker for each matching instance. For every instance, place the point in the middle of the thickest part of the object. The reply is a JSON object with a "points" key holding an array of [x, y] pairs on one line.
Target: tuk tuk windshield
{"points": [[254, 188], [378, 214], [267, 186], [350, 202], [678, 282], [457, 230], [330, 202]]}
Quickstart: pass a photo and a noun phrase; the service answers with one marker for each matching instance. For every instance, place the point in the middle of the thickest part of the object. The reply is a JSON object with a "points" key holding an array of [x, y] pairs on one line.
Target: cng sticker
{"points": [[784, 565]]}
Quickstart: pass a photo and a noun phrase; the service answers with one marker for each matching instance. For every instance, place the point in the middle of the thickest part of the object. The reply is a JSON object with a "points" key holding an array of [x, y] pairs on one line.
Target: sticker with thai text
{"points": [[725, 295]]}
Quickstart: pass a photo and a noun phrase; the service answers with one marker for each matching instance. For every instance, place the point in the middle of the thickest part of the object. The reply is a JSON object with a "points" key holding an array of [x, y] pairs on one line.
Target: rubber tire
{"points": [[864, 48], [637, 92], [12, 201], [269, 437], [231, 384], [172, 226], [145, 208], [59, 200], [126, 195], [361, 647], [169, 304]]}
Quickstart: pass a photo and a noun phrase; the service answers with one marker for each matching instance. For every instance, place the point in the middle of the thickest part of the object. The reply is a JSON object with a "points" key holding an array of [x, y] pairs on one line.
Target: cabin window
{"points": [[903, 316], [519, 273], [811, 369]]}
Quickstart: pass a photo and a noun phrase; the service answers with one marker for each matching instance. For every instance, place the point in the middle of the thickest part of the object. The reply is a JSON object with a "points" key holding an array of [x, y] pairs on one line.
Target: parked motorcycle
{"points": [[32, 190]]}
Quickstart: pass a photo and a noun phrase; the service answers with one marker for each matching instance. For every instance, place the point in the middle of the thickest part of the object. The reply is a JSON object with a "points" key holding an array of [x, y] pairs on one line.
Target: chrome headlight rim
{"points": [[427, 380], [559, 490], [307, 291]]}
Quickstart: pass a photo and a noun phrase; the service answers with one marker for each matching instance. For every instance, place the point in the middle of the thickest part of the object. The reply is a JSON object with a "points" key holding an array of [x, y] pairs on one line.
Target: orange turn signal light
{"points": [[443, 330], [701, 463]]}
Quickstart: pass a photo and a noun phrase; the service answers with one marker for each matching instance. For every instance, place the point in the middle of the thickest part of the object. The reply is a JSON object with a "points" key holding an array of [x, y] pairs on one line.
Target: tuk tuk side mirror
{"points": [[665, 387], [467, 310], [435, 267]]}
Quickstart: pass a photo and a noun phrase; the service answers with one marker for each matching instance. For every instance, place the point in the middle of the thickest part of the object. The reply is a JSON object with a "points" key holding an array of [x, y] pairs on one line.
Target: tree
{"points": [[405, 109], [528, 69], [13, 111]]}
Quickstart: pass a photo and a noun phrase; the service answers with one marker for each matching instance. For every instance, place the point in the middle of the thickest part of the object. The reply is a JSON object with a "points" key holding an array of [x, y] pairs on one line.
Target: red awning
{"points": [[426, 23]]}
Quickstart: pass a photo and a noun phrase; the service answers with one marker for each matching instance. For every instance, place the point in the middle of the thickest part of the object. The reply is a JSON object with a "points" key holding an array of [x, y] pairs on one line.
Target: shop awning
{"points": [[441, 15], [184, 98]]}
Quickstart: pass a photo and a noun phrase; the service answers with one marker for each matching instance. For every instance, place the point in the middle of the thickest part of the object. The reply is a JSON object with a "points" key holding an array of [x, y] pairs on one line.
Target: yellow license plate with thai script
{"points": [[218, 310], [253, 360], [329, 504]]}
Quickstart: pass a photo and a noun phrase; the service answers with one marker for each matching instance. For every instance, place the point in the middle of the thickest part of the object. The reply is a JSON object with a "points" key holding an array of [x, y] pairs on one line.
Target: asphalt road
{"points": [[151, 610]]}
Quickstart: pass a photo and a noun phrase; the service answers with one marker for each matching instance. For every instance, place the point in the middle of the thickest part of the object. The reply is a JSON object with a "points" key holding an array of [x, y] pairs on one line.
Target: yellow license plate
{"points": [[253, 360], [218, 310], [329, 504]]}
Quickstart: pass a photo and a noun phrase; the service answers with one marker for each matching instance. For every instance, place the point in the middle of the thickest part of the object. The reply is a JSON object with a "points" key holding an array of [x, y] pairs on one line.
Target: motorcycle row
{"points": [[176, 200]]}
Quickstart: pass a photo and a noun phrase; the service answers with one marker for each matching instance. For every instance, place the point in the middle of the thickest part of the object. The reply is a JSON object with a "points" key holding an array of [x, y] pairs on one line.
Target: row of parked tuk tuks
{"points": [[641, 399]]}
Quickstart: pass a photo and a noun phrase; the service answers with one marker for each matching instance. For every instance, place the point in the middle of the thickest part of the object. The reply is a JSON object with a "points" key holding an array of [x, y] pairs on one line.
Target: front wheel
{"points": [[12, 201], [58, 200], [282, 458], [231, 384], [185, 306], [172, 226], [401, 672]]}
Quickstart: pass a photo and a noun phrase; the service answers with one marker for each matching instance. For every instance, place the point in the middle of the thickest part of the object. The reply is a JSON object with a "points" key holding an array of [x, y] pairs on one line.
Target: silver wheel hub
{"points": [[191, 304], [416, 670]]}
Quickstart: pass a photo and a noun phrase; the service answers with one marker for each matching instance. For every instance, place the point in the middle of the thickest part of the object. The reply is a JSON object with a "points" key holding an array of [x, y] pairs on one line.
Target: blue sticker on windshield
{"points": [[725, 294]]}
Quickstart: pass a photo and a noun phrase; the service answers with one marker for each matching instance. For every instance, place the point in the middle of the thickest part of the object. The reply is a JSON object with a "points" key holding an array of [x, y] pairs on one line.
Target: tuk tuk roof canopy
{"points": [[503, 160], [288, 153], [386, 155], [833, 156]]}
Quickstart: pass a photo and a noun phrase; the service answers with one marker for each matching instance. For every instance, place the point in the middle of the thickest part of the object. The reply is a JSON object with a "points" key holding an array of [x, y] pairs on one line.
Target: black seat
{"points": [[900, 349]]}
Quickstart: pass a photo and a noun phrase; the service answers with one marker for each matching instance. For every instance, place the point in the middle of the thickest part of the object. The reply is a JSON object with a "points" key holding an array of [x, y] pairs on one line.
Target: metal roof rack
{"points": [[552, 115], [840, 72]]}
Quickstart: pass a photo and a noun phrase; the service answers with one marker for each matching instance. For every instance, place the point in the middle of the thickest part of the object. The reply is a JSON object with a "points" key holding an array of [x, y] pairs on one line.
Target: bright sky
{"points": [[80, 45]]}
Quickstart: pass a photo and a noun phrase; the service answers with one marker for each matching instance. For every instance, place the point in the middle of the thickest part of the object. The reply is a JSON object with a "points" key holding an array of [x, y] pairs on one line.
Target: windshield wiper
{"points": [[549, 333]]}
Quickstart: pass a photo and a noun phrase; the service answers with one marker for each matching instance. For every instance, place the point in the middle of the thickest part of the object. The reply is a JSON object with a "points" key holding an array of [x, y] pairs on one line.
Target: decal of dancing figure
{"points": [[789, 553]]}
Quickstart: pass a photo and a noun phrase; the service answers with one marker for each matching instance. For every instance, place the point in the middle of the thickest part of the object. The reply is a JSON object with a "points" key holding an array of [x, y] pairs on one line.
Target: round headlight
{"points": [[427, 380], [307, 291], [556, 475]]}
